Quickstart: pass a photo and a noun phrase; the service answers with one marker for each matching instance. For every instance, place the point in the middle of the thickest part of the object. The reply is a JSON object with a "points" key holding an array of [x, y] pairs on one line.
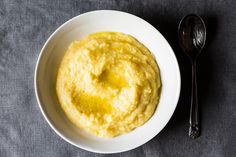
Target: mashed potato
{"points": [[108, 84]]}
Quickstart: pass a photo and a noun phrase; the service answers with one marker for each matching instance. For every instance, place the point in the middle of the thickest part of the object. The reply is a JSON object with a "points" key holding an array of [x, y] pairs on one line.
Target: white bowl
{"points": [[75, 29]]}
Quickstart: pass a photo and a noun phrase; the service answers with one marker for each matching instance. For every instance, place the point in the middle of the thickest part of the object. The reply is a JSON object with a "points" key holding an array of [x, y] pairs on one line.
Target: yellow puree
{"points": [[108, 84]]}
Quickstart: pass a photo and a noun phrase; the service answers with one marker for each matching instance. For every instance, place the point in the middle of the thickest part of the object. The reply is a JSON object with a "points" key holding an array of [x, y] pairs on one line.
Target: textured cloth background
{"points": [[24, 27]]}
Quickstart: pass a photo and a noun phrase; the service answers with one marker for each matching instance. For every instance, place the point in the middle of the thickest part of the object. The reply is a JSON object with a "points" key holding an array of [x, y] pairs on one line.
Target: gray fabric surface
{"points": [[25, 26]]}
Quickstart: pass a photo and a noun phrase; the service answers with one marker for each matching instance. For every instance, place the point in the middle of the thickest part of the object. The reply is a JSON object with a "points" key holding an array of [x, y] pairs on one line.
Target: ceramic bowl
{"points": [[75, 29]]}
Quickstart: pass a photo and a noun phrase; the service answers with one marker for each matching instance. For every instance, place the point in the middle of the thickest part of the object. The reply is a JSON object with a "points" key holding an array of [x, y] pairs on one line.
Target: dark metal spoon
{"points": [[192, 37]]}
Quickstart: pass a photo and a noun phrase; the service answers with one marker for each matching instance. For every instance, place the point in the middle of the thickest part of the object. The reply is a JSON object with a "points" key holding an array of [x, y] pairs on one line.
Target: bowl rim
{"points": [[52, 125]]}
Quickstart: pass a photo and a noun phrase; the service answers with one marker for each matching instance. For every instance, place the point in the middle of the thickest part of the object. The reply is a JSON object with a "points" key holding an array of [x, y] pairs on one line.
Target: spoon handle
{"points": [[194, 129]]}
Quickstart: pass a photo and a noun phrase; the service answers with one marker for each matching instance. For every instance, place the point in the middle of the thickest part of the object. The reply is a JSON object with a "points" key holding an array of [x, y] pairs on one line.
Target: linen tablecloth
{"points": [[25, 25]]}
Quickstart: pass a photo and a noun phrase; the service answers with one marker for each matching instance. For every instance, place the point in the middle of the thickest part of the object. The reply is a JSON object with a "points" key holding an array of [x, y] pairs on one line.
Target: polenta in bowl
{"points": [[108, 84], [99, 86]]}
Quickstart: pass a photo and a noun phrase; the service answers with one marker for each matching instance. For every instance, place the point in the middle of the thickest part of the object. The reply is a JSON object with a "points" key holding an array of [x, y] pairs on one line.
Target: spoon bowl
{"points": [[192, 35]]}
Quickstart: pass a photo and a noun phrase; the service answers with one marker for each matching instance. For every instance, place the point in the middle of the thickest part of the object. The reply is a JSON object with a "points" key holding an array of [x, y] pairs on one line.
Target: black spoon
{"points": [[192, 37]]}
